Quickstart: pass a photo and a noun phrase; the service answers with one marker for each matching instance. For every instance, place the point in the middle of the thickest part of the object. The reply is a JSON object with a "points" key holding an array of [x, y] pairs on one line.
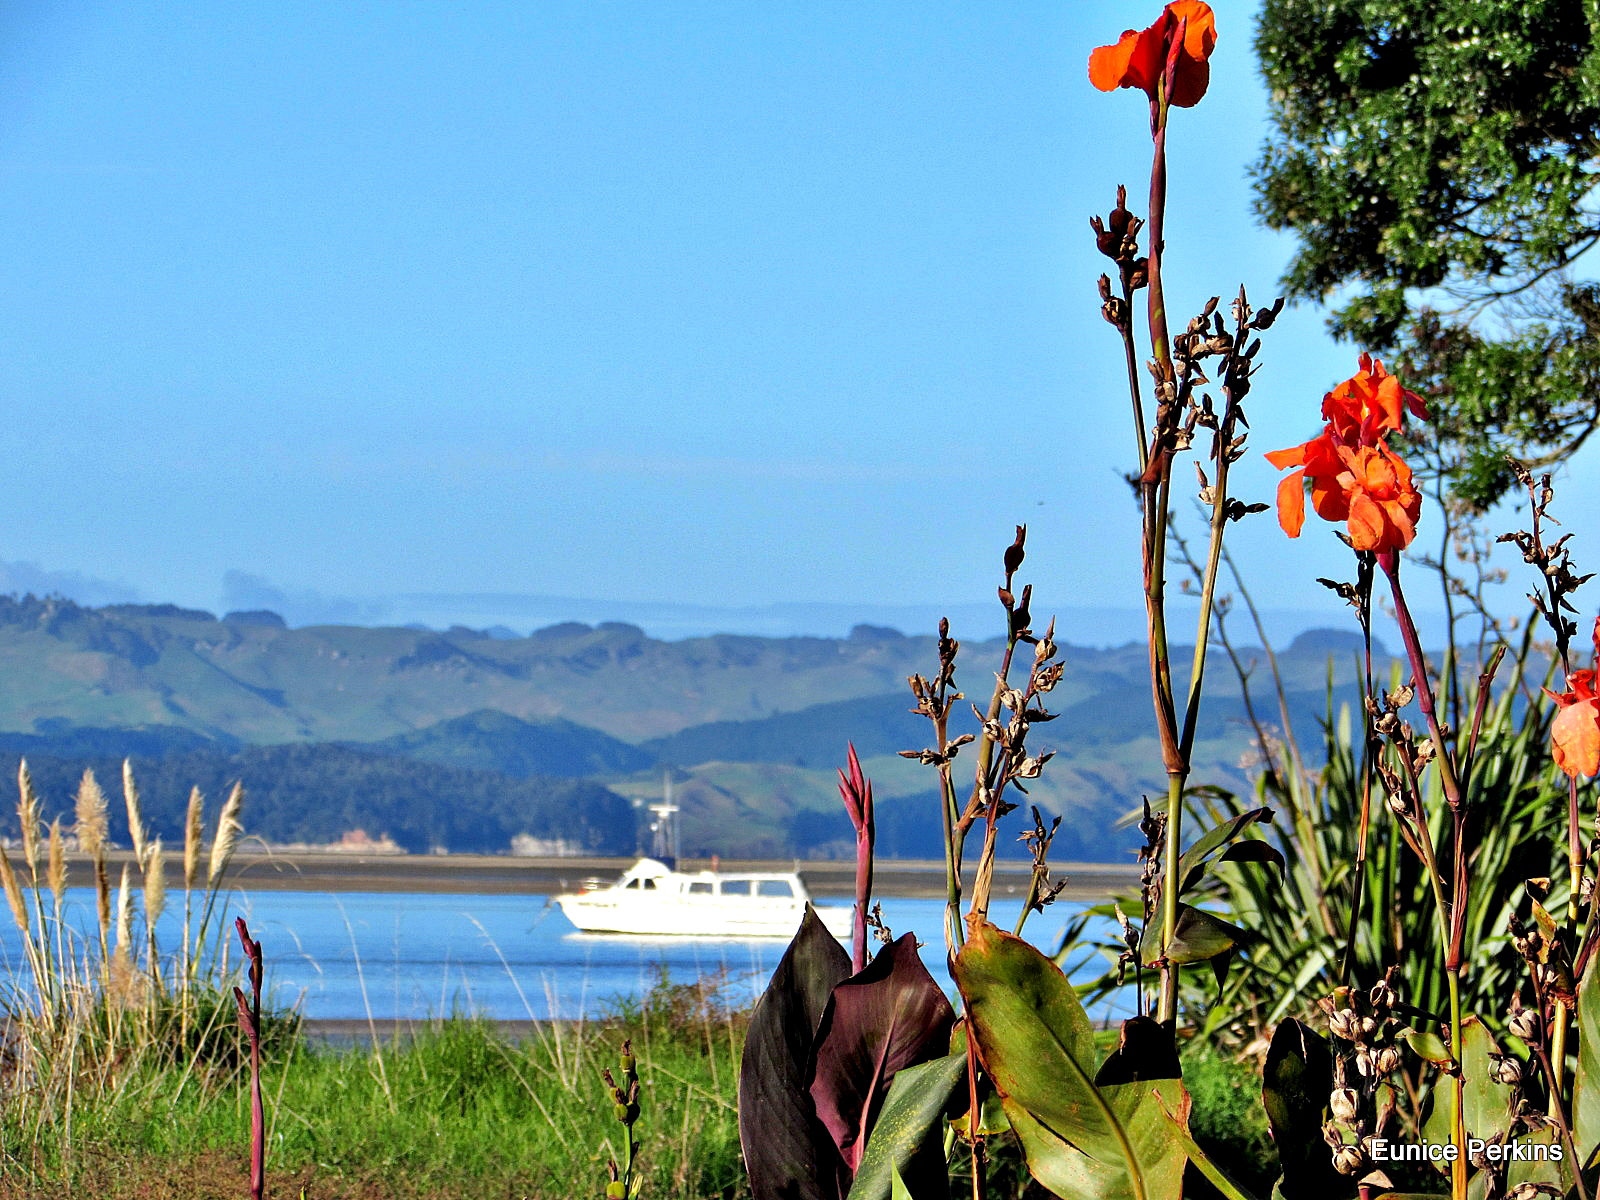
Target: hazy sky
{"points": [[727, 306]]}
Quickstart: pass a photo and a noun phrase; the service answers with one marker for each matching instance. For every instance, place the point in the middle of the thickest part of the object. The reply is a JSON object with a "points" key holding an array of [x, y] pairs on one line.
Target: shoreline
{"points": [[306, 871]]}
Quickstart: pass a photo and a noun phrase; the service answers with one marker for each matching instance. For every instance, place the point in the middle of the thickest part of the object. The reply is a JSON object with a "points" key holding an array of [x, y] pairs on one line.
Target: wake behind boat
{"points": [[651, 898]]}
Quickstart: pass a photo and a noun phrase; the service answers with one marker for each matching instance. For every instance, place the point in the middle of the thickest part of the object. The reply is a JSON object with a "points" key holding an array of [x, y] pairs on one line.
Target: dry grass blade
{"points": [[124, 913], [193, 835], [228, 830], [130, 795]]}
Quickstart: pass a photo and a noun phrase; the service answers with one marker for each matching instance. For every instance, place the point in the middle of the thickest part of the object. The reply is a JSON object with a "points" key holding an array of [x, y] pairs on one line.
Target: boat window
{"points": [[649, 885], [775, 887], [633, 883], [735, 887], [700, 887]]}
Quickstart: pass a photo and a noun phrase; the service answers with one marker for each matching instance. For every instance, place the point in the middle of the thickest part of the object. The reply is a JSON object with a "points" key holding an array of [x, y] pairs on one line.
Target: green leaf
{"points": [[1256, 850], [1427, 1046], [1487, 1103], [787, 1152], [1586, 1092], [1198, 936], [1192, 865], [1295, 1084], [1106, 1143], [897, 1186], [1230, 1188], [908, 1137]]}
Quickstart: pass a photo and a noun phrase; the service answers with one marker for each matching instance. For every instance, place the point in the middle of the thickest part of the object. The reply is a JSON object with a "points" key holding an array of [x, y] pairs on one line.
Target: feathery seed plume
{"points": [[155, 885], [58, 862], [193, 833], [19, 910], [28, 817], [91, 812], [130, 794], [228, 831]]}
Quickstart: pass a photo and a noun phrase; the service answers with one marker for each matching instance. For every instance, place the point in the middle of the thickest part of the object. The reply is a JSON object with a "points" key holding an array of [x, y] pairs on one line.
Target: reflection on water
{"points": [[412, 955]]}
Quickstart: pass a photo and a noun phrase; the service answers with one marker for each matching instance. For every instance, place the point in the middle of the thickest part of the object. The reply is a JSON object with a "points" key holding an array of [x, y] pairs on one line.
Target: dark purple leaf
{"points": [[888, 1016], [787, 1152]]}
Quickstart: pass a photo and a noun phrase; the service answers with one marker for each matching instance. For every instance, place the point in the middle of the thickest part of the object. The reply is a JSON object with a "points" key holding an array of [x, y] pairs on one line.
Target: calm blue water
{"points": [[388, 955]]}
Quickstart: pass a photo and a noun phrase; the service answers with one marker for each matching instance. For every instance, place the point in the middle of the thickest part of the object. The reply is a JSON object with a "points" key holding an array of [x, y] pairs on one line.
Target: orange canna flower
{"points": [[1575, 733], [1370, 404], [1139, 58], [1354, 476]]}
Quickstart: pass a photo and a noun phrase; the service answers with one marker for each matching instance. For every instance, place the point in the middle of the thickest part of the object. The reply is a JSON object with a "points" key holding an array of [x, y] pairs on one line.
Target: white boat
{"points": [[653, 899]]}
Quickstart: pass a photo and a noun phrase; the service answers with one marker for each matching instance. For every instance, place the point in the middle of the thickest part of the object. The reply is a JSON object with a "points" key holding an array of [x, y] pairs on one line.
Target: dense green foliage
{"points": [[1436, 162]]}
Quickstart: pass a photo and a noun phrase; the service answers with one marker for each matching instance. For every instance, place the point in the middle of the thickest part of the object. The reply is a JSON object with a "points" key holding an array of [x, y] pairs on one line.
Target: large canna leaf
{"points": [[1487, 1102], [907, 1141], [889, 1015], [1586, 1092], [1090, 1143], [787, 1152]]}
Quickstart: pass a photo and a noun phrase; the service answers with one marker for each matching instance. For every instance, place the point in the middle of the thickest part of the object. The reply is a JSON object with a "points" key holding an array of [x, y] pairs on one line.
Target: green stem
{"points": [[1458, 1096], [1167, 1007]]}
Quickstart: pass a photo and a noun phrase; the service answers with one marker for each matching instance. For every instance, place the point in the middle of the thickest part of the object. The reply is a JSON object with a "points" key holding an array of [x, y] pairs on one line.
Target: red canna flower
{"points": [[1354, 476], [1139, 59], [1575, 733]]}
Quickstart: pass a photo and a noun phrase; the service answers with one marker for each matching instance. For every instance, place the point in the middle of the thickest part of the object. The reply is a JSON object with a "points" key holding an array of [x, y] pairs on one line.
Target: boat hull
{"points": [[598, 912]]}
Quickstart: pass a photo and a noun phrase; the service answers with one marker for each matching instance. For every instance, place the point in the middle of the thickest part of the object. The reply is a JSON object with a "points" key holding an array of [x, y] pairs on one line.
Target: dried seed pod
{"points": [[1347, 1160], [1345, 1104], [1524, 1023], [1505, 1070]]}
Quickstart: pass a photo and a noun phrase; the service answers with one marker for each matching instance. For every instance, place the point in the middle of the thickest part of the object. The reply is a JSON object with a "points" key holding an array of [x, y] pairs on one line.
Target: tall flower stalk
{"points": [[1169, 63], [1355, 478]]}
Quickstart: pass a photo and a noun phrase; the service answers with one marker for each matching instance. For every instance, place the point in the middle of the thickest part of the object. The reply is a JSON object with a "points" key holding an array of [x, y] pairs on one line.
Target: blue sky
{"points": [[771, 316]]}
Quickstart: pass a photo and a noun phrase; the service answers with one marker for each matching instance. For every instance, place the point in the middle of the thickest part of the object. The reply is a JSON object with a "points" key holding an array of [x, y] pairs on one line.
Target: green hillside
{"points": [[487, 740]]}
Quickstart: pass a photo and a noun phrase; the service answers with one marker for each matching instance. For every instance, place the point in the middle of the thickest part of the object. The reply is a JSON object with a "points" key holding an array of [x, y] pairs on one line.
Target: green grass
{"points": [[457, 1110]]}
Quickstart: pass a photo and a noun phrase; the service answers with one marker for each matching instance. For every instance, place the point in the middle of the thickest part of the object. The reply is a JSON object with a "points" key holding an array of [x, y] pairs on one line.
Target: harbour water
{"points": [[412, 956]]}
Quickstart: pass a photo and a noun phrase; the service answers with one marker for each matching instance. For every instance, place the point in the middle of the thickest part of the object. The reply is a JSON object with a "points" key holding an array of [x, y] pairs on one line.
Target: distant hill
{"points": [[465, 738], [811, 737], [487, 740]]}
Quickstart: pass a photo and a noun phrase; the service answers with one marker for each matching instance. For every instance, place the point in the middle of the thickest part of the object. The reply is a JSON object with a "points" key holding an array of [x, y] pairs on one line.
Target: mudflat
{"points": [[302, 871]]}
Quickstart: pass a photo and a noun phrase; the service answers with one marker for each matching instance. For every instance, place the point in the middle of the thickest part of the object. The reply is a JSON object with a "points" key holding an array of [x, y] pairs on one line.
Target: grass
{"points": [[456, 1110], [459, 1110]]}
